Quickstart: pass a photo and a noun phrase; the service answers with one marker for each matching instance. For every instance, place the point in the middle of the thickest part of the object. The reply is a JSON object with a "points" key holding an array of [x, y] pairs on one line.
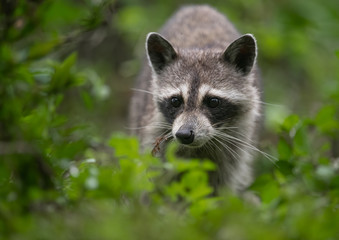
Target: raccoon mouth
{"points": [[192, 145], [195, 144]]}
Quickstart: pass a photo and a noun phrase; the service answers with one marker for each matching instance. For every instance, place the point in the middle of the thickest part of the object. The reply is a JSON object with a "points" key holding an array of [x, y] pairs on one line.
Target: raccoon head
{"points": [[201, 92]]}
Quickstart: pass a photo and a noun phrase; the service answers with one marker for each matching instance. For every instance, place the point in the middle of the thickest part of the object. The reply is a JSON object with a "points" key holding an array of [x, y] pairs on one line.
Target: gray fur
{"points": [[199, 53]]}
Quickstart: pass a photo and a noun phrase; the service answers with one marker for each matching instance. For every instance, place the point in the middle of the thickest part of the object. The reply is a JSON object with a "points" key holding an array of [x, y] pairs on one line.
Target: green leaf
{"points": [[326, 120], [337, 53], [284, 150], [94, 19], [41, 49], [290, 122], [285, 167], [63, 77], [124, 146], [203, 205], [335, 186], [174, 191], [301, 143], [87, 99], [267, 188]]}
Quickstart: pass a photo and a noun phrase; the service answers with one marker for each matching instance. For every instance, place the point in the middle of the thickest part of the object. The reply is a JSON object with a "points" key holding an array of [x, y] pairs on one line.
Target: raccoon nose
{"points": [[185, 135]]}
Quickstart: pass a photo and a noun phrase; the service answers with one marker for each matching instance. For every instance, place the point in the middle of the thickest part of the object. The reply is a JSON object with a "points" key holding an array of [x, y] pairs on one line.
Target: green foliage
{"points": [[37, 142], [60, 179]]}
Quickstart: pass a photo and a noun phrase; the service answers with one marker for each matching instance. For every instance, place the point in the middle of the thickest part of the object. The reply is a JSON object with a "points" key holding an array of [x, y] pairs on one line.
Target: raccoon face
{"points": [[195, 122], [199, 93]]}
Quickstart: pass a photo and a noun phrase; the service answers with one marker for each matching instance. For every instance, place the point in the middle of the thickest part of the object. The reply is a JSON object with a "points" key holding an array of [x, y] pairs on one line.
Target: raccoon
{"points": [[200, 87]]}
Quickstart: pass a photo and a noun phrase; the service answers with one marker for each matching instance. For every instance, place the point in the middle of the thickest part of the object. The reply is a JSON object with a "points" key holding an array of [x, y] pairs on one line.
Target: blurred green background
{"points": [[297, 42], [66, 72]]}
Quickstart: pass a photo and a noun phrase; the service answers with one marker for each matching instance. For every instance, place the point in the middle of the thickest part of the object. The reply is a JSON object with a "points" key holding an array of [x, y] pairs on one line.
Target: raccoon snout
{"points": [[185, 135]]}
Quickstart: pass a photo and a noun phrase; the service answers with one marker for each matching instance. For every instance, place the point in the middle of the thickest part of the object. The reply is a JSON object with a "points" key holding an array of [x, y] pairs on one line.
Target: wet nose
{"points": [[185, 135]]}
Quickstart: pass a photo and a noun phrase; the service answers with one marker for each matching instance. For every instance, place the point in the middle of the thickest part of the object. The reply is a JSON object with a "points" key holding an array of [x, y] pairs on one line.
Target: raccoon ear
{"points": [[160, 52], [242, 53]]}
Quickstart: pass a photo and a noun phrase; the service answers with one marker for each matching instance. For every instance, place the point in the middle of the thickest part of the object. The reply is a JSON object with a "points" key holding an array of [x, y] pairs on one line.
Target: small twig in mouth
{"points": [[157, 143]]}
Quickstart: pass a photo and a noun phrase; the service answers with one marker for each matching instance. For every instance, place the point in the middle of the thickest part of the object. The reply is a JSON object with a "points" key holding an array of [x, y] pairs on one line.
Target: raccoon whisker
{"points": [[232, 140], [234, 154], [165, 123], [136, 128], [232, 129], [248, 145], [215, 146], [218, 143], [234, 145], [230, 150], [144, 91], [240, 134], [167, 127], [211, 146], [166, 133], [164, 136], [219, 126], [261, 102], [153, 125], [215, 125]]}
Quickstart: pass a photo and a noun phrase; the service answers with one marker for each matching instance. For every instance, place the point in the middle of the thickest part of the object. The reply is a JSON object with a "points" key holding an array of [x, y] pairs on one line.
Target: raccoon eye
{"points": [[176, 102], [213, 102]]}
